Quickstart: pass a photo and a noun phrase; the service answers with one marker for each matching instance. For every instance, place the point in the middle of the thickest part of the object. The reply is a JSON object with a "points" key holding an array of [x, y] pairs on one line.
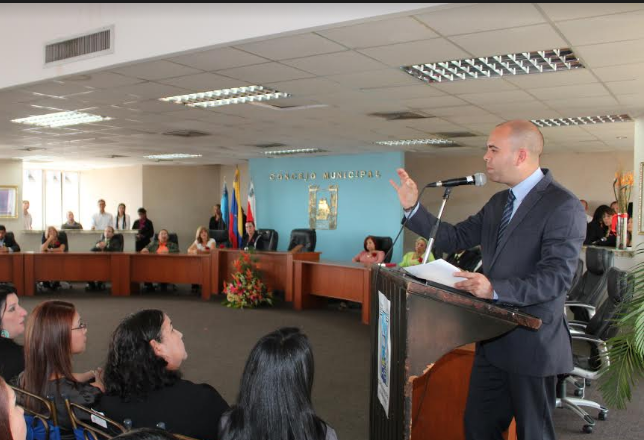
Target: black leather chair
{"points": [[62, 237], [591, 288], [576, 278], [172, 236], [469, 260], [384, 244], [306, 237], [588, 365], [268, 241], [220, 236]]}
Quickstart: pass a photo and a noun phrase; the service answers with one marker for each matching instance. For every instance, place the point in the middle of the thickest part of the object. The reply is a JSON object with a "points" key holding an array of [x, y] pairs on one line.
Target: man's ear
{"points": [[522, 156], [158, 348]]}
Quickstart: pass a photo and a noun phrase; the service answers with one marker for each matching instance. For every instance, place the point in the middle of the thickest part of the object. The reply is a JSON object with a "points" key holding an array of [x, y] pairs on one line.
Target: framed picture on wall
{"points": [[640, 222], [8, 201]]}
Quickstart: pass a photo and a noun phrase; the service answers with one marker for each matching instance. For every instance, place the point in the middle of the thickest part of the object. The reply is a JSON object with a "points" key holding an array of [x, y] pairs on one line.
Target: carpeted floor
{"points": [[219, 339]]}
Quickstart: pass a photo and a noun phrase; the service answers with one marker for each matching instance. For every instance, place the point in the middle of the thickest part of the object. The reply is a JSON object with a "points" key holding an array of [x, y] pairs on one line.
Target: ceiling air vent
{"points": [[273, 145], [186, 133], [400, 116], [455, 134], [83, 46], [114, 156]]}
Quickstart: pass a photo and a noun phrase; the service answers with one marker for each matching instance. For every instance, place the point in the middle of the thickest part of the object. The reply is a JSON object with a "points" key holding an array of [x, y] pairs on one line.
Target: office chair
{"points": [[384, 244], [269, 240], [220, 236], [591, 288], [305, 237], [595, 333], [172, 236], [41, 424], [83, 430]]}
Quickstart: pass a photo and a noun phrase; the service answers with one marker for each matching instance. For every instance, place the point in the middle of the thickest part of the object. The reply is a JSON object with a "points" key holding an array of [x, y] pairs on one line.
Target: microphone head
{"points": [[480, 179]]}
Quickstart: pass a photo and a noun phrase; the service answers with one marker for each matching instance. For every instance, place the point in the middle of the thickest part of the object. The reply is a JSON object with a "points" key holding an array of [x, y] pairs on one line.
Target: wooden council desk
{"points": [[12, 269], [349, 281]]}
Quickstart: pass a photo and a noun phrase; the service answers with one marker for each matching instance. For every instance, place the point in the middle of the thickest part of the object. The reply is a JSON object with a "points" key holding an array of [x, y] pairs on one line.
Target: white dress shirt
{"points": [[102, 221], [118, 223], [27, 221]]}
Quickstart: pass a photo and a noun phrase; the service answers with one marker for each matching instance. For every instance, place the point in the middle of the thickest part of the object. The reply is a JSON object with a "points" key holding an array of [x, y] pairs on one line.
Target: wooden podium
{"points": [[429, 374]]}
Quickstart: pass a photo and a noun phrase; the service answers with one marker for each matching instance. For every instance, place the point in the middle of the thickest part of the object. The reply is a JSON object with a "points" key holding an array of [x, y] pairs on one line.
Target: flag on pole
{"points": [[224, 203], [235, 228], [251, 211]]}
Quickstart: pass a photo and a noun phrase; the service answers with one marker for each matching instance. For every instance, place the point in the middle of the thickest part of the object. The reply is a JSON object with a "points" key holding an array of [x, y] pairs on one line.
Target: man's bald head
{"points": [[524, 134]]}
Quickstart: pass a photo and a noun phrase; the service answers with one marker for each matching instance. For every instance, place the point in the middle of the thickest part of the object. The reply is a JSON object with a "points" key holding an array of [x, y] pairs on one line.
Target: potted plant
{"points": [[247, 289]]}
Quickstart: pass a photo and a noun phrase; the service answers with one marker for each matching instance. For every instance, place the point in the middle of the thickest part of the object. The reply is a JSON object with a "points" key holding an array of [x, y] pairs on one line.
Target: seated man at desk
{"points": [[7, 242], [106, 244], [71, 223], [162, 245]]}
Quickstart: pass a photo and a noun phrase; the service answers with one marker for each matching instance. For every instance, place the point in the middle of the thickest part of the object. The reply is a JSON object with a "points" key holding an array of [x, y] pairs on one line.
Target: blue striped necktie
{"points": [[507, 215]]}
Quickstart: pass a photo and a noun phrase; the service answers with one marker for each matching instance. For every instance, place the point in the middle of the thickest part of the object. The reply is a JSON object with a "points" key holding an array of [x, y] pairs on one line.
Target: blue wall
{"points": [[366, 206]]}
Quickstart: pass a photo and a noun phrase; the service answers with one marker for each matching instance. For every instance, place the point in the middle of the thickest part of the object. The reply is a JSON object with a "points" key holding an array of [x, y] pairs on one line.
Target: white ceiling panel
{"points": [[335, 63], [380, 33], [626, 87], [494, 97], [203, 82], [461, 110], [523, 39], [154, 70], [102, 80], [265, 73], [612, 54], [604, 29], [620, 73], [475, 86], [375, 78], [571, 11], [56, 88], [150, 90], [218, 59], [305, 87], [417, 52], [297, 46], [482, 17], [571, 91], [553, 79]]}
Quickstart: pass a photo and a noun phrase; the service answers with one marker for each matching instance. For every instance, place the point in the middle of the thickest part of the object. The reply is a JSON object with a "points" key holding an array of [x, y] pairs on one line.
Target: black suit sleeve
{"points": [[13, 245]]}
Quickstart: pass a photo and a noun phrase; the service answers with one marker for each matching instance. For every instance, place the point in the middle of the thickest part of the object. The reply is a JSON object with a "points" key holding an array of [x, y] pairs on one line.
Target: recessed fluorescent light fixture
{"points": [[293, 151], [61, 119], [434, 141], [172, 156], [217, 98], [525, 63], [582, 120]]}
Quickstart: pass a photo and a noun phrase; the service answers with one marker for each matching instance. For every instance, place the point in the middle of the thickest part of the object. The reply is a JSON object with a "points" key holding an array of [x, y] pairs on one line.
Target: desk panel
{"points": [[12, 270], [172, 268]]}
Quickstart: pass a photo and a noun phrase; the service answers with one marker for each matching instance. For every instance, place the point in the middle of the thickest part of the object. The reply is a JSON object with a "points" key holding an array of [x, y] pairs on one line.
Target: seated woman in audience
{"points": [[371, 254], [54, 333], [12, 416], [203, 244], [143, 382], [12, 325], [598, 230], [52, 243], [416, 257], [274, 400], [162, 245], [122, 219]]}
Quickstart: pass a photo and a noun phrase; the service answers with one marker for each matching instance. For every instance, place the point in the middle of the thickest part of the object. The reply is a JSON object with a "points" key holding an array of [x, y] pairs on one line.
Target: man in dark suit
{"points": [[7, 242], [530, 238]]}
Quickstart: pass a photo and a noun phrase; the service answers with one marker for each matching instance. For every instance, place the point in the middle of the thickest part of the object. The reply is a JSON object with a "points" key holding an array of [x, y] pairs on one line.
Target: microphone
{"points": [[478, 179]]}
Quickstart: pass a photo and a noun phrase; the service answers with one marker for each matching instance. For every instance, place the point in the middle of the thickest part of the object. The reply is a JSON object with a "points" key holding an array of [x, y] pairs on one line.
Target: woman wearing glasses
{"points": [[54, 333]]}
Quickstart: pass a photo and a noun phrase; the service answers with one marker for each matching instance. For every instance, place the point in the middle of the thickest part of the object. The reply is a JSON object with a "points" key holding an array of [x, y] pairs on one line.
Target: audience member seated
{"points": [[53, 243], [162, 245], [370, 255], [251, 239], [12, 325], [143, 382], [274, 400], [71, 223], [469, 260], [7, 241], [145, 228], [217, 221], [54, 333], [122, 219], [102, 219], [598, 230], [109, 242], [416, 257], [12, 416], [203, 244], [146, 434]]}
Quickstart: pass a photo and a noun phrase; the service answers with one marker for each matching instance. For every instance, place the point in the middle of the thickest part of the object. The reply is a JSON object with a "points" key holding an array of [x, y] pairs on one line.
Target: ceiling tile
{"points": [[430, 104], [149, 90], [304, 87], [376, 78], [218, 59], [380, 33], [292, 47], [417, 91], [482, 17], [475, 86], [612, 54], [620, 73], [335, 63], [152, 70], [101, 80], [553, 79], [569, 11], [417, 52], [524, 39], [605, 29], [569, 91], [56, 88], [203, 82], [494, 97], [626, 87], [265, 73], [583, 106]]}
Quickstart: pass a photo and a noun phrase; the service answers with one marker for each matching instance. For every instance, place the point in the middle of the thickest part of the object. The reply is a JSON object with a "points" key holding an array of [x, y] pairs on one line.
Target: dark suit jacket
{"points": [[116, 245], [147, 233], [216, 225], [10, 242], [531, 269], [251, 243]]}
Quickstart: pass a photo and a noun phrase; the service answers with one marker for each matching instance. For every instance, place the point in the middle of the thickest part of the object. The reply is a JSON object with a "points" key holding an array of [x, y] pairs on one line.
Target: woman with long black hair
{"points": [[275, 395], [598, 230]]}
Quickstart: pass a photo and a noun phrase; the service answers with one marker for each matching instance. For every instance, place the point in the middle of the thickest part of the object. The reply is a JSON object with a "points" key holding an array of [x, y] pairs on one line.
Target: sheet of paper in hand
{"points": [[438, 271]]}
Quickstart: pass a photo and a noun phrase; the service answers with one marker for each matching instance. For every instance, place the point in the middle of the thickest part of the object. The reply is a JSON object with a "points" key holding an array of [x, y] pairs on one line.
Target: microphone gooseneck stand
{"points": [[432, 235]]}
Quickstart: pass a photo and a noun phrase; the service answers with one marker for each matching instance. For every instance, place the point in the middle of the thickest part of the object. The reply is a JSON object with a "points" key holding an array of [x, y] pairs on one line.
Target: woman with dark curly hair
{"points": [[143, 382], [274, 400], [598, 230]]}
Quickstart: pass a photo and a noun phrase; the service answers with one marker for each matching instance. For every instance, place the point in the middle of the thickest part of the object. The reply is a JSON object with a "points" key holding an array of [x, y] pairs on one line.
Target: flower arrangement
{"points": [[622, 187], [247, 289]]}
